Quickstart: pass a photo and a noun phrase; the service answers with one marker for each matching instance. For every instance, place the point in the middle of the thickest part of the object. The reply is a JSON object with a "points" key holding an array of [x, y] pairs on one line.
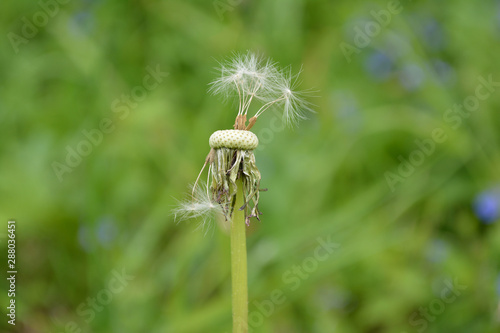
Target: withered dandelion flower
{"points": [[231, 156], [233, 184]]}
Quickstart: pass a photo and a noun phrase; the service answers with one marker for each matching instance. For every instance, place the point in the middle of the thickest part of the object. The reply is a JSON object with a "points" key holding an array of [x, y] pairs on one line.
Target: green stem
{"points": [[239, 265]]}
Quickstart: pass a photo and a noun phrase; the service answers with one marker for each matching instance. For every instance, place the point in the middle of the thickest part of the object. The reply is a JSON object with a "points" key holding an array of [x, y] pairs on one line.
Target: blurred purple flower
{"points": [[487, 206], [379, 65]]}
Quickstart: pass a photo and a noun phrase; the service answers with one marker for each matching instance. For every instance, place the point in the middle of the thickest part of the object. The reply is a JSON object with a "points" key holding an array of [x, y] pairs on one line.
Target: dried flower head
{"points": [[231, 156]]}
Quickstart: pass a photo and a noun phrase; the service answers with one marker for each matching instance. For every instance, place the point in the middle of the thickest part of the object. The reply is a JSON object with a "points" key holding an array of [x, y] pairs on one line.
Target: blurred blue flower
{"points": [[106, 231], [411, 76], [444, 71], [487, 206], [82, 21], [379, 65], [433, 35], [429, 30]]}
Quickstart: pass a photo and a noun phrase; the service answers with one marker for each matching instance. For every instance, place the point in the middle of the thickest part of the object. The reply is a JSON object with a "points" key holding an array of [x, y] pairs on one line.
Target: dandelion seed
{"points": [[286, 96], [199, 205]]}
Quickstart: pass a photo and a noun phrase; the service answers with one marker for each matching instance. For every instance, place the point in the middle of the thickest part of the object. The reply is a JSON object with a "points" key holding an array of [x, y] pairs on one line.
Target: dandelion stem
{"points": [[239, 265]]}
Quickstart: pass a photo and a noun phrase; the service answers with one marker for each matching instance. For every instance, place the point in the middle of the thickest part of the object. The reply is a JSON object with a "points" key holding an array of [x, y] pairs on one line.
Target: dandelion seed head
{"points": [[253, 79], [277, 88], [246, 75]]}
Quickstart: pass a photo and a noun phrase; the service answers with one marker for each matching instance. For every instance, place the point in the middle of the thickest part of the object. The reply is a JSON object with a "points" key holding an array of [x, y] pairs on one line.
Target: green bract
{"points": [[226, 166]]}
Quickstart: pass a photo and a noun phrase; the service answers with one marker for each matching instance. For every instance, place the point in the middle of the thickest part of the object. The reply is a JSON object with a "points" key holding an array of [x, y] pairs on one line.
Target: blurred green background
{"points": [[403, 232]]}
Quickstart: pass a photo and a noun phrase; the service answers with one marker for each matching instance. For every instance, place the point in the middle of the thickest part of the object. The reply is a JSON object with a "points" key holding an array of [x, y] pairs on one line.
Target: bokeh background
{"points": [[66, 67]]}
